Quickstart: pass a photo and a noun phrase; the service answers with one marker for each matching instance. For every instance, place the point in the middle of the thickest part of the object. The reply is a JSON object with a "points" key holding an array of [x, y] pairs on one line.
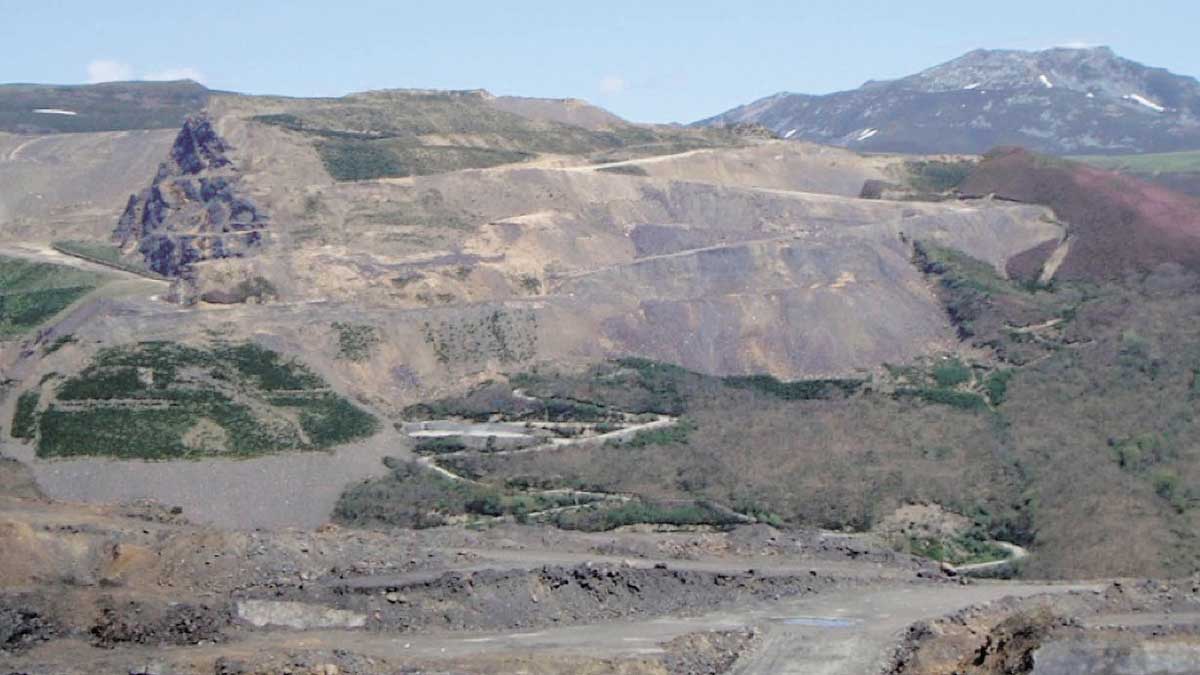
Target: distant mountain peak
{"points": [[1062, 100]]}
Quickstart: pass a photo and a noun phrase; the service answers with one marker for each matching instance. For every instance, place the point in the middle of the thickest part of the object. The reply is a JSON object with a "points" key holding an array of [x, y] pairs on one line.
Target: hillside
{"points": [[112, 106], [1179, 171], [1116, 223], [725, 311], [1057, 101]]}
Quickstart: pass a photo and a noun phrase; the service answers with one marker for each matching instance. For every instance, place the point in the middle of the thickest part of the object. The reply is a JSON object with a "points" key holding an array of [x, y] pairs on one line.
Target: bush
{"points": [[996, 385], [951, 373], [440, 446], [800, 390]]}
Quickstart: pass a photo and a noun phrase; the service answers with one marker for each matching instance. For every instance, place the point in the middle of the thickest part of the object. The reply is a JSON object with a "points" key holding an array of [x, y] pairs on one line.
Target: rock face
{"points": [[194, 210], [1058, 101]]}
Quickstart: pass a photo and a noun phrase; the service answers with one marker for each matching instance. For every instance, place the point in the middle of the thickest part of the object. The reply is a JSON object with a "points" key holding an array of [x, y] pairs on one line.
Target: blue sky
{"points": [[647, 61]]}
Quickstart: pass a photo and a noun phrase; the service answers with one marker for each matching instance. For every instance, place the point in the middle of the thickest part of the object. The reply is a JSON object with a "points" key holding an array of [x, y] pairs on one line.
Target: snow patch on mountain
{"points": [[1144, 101]]}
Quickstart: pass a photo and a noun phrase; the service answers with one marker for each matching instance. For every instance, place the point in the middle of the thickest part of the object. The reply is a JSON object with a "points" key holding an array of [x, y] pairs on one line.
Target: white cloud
{"points": [[1078, 44], [106, 70], [612, 84], [184, 73]]}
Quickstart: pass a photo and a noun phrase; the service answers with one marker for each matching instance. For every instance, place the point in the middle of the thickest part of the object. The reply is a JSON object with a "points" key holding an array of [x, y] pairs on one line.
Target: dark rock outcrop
{"points": [[194, 210]]}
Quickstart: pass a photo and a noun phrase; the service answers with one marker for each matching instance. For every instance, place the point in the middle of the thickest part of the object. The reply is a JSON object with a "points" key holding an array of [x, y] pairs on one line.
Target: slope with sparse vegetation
{"points": [[162, 400]]}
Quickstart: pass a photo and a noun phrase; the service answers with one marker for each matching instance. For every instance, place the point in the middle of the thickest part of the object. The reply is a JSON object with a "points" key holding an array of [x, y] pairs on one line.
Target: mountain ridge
{"points": [[1058, 101]]}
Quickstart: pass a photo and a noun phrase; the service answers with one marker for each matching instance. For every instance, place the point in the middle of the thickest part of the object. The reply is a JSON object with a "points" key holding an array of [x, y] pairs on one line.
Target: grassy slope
{"points": [[31, 293], [384, 134], [1187, 161], [105, 254], [113, 106], [162, 400]]}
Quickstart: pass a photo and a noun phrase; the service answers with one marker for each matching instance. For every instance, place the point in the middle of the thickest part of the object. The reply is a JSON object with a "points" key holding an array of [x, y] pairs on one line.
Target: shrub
{"points": [[440, 446], [800, 390], [951, 373], [996, 385]]}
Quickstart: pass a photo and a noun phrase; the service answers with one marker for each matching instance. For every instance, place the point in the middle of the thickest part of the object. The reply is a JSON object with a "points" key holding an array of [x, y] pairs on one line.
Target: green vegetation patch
{"points": [[163, 400], [356, 342], [937, 175], [1164, 162], [105, 253], [417, 497], [401, 133], [966, 548], [665, 435], [957, 399], [800, 390], [440, 445], [24, 423], [355, 159], [31, 293], [599, 518], [625, 170]]}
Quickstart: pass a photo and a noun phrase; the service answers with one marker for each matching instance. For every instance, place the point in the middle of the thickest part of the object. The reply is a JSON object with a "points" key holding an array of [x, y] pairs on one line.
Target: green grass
{"points": [[1187, 161], [951, 373], [162, 400], [32, 293], [967, 548], [936, 175], [105, 254], [25, 419]]}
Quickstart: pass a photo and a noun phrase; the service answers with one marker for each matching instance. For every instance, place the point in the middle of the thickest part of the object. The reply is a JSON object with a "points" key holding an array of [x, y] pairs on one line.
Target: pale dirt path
{"points": [[16, 152], [1015, 553]]}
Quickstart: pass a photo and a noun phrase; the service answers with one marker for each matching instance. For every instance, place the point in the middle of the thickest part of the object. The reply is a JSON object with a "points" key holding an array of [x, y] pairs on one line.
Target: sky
{"points": [[647, 61]]}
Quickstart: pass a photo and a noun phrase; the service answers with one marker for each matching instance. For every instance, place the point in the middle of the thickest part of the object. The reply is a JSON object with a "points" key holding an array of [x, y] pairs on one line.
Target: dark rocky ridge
{"points": [[194, 210], [1057, 101]]}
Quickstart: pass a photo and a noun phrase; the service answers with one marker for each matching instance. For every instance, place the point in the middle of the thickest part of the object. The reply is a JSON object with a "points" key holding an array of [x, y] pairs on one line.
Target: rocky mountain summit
{"points": [[1058, 101], [194, 209]]}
